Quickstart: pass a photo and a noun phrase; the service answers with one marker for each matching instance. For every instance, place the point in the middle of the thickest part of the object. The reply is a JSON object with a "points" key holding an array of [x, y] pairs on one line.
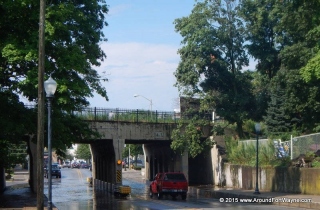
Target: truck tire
{"points": [[159, 193], [184, 196], [150, 193]]}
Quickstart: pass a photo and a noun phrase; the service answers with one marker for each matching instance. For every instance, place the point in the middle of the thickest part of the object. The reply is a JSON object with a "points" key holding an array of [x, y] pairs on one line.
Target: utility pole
{"points": [[40, 125]]}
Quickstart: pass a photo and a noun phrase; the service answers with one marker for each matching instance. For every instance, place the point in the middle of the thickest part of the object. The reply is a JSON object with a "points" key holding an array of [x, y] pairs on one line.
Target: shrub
{"points": [[316, 162], [246, 154]]}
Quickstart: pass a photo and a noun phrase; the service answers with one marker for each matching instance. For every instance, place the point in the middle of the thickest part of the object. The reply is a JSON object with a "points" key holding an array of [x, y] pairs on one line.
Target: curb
{"points": [[234, 197], [17, 186]]}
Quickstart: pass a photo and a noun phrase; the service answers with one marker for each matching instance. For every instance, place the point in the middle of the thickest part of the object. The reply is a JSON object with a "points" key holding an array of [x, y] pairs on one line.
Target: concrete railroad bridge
{"points": [[153, 130]]}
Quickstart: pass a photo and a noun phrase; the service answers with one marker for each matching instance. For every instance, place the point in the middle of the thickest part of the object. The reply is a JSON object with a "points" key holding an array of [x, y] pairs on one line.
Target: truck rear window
{"points": [[177, 177]]}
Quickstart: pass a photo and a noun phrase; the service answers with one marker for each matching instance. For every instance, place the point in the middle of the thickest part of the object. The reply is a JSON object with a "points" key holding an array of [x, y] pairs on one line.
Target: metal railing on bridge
{"points": [[135, 115]]}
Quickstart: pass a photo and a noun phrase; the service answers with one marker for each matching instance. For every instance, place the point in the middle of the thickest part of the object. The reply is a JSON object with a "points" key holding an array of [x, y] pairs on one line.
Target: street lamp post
{"points": [[150, 100], [50, 87], [129, 159], [258, 128]]}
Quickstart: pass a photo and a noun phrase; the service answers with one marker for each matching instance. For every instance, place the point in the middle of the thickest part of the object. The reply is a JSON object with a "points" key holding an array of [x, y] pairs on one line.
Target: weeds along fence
{"points": [[130, 115], [296, 146], [271, 148], [305, 144]]}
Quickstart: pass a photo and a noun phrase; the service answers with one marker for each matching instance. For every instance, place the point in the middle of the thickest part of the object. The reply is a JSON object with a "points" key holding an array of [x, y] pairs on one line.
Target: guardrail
{"points": [[133, 115], [137, 115]]}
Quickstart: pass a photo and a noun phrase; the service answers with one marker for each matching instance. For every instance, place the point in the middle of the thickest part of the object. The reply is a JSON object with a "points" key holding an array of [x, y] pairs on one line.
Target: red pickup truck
{"points": [[170, 183]]}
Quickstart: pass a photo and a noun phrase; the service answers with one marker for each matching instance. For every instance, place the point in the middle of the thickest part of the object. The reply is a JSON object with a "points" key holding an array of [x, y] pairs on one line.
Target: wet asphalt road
{"points": [[72, 192]]}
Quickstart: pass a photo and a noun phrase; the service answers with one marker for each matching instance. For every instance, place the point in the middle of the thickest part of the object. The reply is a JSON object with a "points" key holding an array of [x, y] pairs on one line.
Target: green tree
{"points": [[83, 152], [73, 34], [16, 122], [283, 37], [260, 84], [277, 119], [299, 29], [135, 150], [296, 102], [262, 43], [212, 58], [188, 137]]}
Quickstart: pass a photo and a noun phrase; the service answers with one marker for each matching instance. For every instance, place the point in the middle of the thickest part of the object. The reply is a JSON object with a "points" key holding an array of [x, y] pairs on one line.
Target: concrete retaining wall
{"points": [[280, 179]]}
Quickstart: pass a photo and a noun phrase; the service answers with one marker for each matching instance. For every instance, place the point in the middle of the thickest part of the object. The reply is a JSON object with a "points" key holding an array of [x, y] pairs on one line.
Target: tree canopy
{"points": [[282, 90], [72, 36], [73, 32], [212, 57], [135, 150], [83, 152]]}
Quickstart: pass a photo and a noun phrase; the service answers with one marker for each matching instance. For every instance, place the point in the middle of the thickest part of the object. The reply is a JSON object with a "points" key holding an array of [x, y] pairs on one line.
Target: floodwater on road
{"points": [[72, 192]]}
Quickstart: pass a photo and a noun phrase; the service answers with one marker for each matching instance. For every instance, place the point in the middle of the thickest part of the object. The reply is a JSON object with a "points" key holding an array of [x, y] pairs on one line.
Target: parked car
{"points": [[66, 164], [56, 163], [84, 165], [170, 183], [55, 171], [136, 163], [75, 165]]}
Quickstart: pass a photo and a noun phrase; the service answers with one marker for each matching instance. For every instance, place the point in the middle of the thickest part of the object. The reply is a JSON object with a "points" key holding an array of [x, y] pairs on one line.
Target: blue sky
{"points": [[141, 54]]}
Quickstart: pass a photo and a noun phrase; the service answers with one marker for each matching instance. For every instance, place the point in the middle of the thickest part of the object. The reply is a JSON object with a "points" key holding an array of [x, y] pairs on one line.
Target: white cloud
{"points": [[138, 68], [118, 9]]}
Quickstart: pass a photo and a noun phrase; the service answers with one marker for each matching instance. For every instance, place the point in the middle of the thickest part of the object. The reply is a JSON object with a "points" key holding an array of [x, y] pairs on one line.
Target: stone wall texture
{"points": [[279, 179]]}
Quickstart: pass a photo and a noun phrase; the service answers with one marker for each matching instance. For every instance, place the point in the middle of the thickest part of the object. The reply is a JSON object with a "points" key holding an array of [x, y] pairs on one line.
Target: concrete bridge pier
{"points": [[105, 169], [118, 145]]}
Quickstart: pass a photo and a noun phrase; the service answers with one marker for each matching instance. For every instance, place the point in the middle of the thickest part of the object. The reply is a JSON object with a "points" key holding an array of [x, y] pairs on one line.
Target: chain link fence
{"points": [[294, 147], [254, 142], [304, 144]]}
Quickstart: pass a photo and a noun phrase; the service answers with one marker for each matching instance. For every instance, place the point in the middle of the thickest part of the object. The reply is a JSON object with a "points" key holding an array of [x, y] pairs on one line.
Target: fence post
{"points": [[95, 113], [117, 114], [156, 116], [291, 145], [137, 115]]}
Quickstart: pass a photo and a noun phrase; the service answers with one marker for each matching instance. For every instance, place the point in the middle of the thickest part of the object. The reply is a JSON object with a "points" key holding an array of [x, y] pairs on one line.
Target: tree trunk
{"points": [[240, 129], [2, 179]]}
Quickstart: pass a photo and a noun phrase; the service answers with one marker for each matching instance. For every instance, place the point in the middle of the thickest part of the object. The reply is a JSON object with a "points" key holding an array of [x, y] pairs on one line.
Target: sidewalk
{"points": [[265, 197], [18, 195]]}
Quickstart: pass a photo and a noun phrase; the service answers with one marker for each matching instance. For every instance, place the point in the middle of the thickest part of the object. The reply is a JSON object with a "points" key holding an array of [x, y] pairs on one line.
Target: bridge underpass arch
{"points": [[103, 160], [160, 157], [156, 138]]}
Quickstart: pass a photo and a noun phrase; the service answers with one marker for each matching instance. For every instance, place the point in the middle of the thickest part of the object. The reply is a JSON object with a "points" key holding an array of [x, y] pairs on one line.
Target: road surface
{"points": [[72, 192]]}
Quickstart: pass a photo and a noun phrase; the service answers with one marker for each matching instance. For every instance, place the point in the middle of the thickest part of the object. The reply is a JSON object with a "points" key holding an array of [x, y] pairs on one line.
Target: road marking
{"points": [[80, 175]]}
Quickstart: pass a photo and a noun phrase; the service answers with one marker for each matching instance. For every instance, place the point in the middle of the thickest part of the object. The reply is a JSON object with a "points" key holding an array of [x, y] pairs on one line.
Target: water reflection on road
{"points": [[72, 192]]}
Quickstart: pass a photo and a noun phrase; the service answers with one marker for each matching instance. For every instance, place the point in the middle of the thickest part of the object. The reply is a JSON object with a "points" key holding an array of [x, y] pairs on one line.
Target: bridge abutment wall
{"points": [[159, 157]]}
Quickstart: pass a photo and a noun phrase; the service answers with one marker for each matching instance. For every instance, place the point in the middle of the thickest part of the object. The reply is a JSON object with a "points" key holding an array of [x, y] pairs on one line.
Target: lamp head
{"points": [[135, 95], [257, 127], [50, 87]]}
